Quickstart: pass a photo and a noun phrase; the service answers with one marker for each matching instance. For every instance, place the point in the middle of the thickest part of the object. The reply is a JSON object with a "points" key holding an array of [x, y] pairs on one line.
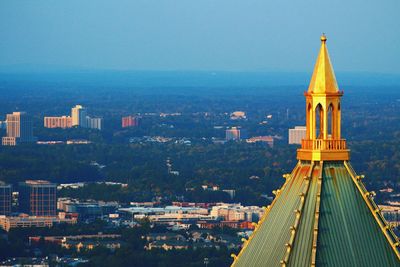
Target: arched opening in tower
{"points": [[331, 122], [319, 122]]}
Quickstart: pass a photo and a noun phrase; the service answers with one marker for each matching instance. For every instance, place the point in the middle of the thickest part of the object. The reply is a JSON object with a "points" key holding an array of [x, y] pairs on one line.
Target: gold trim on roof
{"points": [[236, 257], [316, 218], [383, 225], [299, 213]]}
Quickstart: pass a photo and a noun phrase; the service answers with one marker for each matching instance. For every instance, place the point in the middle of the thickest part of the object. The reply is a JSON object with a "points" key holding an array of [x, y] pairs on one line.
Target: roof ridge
{"points": [[299, 213], [267, 209], [316, 217]]}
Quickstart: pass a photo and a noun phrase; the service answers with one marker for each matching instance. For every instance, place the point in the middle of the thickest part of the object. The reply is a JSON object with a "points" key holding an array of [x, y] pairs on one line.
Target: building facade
{"points": [[58, 122], [78, 114], [130, 121], [38, 198], [94, 123], [297, 134], [5, 199], [233, 134]]}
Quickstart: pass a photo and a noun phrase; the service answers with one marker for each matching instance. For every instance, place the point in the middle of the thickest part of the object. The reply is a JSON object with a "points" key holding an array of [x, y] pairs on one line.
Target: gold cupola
{"points": [[323, 139]]}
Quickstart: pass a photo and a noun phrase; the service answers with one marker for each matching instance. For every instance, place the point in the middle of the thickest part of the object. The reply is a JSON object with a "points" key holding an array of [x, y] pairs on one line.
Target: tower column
{"points": [[325, 123], [338, 123]]}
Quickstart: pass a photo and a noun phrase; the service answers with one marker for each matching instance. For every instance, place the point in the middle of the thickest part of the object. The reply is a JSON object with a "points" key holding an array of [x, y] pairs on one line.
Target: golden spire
{"points": [[323, 79], [323, 140]]}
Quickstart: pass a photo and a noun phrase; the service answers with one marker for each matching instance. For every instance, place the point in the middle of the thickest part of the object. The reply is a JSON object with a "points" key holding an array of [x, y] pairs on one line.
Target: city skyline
{"points": [[156, 133]]}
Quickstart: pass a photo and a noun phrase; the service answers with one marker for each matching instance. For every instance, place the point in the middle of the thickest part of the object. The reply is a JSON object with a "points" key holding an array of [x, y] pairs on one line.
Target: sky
{"points": [[206, 35]]}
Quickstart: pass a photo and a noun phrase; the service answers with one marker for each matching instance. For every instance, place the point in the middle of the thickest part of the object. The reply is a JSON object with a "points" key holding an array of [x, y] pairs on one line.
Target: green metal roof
{"points": [[322, 216]]}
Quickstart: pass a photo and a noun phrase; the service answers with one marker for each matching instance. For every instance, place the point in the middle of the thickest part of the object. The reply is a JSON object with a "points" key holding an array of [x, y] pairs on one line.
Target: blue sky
{"points": [[227, 35]]}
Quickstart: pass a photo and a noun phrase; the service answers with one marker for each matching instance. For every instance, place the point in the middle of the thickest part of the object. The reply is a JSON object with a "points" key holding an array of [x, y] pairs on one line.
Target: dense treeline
{"points": [[143, 167]]}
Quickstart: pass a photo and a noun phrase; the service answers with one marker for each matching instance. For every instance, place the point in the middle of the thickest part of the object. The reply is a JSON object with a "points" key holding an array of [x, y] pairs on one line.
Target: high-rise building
{"points": [[78, 114], [297, 134], [130, 121], [38, 198], [19, 129], [233, 134], [58, 122], [5, 198], [94, 123], [322, 215]]}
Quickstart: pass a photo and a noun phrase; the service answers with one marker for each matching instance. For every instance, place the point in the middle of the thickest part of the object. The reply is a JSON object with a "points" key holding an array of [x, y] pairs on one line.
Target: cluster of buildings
{"points": [[237, 134], [157, 240], [19, 125], [43, 261], [194, 238], [181, 215], [159, 139], [78, 118], [79, 242], [37, 205]]}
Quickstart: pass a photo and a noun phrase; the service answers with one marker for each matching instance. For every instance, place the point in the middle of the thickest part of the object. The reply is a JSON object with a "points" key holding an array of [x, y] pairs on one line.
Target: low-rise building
{"points": [[168, 214], [236, 115], [269, 140], [130, 121], [78, 142], [9, 222], [167, 245], [391, 214], [58, 122], [87, 209], [236, 212], [91, 244], [165, 236]]}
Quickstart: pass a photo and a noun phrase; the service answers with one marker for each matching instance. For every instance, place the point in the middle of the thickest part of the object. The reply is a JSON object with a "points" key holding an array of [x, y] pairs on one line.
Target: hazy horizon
{"points": [[190, 79], [184, 35]]}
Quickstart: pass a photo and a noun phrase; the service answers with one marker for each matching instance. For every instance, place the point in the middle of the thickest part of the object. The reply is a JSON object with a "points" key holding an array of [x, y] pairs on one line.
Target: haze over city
{"points": [[189, 133]]}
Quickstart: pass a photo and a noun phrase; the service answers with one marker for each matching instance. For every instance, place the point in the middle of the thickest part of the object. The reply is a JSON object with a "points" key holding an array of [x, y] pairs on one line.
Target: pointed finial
{"points": [[323, 38]]}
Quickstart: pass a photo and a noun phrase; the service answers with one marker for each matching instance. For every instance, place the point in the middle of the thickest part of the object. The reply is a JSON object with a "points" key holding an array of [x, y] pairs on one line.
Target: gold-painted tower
{"points": [[322, 215], [323, 114]]}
